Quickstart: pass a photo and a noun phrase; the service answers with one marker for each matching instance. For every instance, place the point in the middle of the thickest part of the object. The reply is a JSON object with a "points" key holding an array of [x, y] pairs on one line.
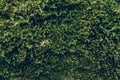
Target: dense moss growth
{"points": [[59, 40]]}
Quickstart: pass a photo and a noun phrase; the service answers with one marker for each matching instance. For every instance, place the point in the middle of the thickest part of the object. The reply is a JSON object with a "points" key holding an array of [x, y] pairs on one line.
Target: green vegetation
{"points": [[59, 40]]}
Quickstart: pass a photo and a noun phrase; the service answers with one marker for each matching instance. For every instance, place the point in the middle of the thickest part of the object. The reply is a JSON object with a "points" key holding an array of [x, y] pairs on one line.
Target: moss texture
{"points": [[59, 40]]}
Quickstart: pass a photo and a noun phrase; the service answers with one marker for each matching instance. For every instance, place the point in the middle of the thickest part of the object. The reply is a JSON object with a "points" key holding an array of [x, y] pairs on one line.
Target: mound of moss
{"points": [[59, 40]]}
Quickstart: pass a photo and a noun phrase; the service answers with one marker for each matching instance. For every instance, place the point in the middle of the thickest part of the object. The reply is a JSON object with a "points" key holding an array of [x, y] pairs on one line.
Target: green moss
{"points": [[59, 40]]}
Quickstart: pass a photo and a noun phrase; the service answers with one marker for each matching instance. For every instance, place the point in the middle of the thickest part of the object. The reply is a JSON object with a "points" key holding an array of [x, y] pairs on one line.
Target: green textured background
{"points": [[59, 40]]}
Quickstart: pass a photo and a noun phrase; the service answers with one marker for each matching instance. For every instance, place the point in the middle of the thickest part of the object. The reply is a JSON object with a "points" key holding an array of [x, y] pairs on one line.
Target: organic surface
{"points": [[59, 40]]}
